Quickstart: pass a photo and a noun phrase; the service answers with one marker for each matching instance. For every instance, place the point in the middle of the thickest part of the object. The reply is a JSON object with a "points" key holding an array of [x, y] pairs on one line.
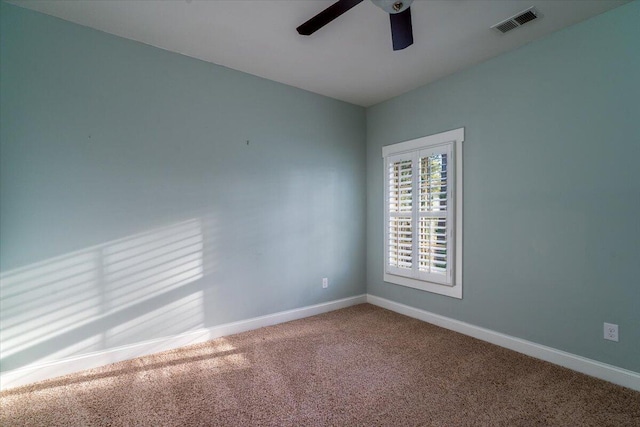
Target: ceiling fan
{"points": [[398, 10]]}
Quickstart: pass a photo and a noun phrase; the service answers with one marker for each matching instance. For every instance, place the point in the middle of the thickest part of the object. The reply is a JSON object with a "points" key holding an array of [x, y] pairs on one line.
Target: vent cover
{"points": [[515, 21]]}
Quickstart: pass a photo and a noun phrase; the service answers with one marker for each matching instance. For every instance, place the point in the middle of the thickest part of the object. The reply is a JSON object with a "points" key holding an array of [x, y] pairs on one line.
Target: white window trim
{"points": [[456, 138]]}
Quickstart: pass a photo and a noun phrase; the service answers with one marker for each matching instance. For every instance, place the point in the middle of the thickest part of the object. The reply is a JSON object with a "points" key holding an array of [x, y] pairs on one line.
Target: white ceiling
{"points": [[350, 59]]}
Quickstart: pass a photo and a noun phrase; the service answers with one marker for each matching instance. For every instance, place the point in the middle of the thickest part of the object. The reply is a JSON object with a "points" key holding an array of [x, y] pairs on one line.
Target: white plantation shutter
{"points": [[433, 215], [420, 216], [400, 208]]}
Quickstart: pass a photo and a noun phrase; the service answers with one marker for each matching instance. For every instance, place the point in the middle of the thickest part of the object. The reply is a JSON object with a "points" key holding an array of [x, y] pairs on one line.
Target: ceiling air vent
{"points": [[516, 20]]}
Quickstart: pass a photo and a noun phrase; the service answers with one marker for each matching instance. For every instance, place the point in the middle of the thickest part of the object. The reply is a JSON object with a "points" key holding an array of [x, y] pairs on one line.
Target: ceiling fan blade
{"points": [[401, 29], [326, 16]]}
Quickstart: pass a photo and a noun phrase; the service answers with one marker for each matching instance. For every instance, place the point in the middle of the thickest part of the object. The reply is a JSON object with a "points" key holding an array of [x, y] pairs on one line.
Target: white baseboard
{"points": [[38, 372], [42, 371], [590, 367]]}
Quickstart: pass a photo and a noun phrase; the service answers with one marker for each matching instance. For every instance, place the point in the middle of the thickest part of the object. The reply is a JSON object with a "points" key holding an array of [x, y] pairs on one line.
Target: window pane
{"points": [[432, 252], [433, 183], [400, 178], [400, 242]]}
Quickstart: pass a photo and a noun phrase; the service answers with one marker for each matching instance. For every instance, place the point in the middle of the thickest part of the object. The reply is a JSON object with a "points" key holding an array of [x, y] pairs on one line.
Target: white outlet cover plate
{"points": [[611, 332]]}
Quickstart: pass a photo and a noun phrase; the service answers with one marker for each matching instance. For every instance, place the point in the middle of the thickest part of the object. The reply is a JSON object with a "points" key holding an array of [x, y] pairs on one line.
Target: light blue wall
{"points": [[132, 206], [551, 187]]}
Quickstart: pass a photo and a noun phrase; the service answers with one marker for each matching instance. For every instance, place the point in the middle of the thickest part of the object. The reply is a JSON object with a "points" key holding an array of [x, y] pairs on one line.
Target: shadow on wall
{"points": [[133, 289]]}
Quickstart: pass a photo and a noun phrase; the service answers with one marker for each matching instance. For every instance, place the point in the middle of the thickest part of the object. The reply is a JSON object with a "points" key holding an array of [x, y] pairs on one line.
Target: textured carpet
{"points": [[359, 366]]}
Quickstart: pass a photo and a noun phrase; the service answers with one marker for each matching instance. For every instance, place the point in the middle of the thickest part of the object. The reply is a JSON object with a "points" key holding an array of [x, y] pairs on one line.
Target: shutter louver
{"points": [[400, 230], [433, 183], [433, 245], [400, 242], [400, 181]]}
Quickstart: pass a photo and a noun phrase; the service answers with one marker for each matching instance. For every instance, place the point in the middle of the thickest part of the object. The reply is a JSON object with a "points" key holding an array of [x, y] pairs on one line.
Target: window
{"points": [[423, 213]]}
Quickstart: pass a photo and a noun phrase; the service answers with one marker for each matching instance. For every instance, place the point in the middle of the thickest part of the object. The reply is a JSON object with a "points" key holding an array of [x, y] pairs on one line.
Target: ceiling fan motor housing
{"points": [[393, 6]]}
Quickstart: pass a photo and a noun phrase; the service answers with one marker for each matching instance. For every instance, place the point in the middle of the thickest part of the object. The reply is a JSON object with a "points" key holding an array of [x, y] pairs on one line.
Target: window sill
{"points": [[450, 291]]}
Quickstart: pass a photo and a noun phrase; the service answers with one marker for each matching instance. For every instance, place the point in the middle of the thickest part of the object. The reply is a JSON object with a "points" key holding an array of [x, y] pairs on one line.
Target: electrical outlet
{"points": [[325, 282], [611, 332]]}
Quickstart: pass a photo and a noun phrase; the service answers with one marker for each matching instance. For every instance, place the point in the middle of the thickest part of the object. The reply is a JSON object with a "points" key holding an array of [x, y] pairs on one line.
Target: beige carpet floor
{"points": [[362, 366]]}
